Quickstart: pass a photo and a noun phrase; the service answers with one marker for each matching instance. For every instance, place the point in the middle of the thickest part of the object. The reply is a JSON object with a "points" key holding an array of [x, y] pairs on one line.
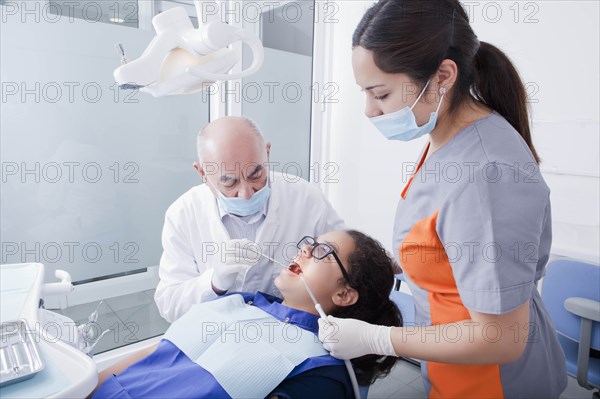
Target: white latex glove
{"points": [[351, 338], [237, 256]]}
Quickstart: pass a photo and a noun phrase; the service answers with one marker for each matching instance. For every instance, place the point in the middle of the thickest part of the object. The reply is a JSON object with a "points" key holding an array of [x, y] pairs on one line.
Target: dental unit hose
{"points": [[324, 317]]}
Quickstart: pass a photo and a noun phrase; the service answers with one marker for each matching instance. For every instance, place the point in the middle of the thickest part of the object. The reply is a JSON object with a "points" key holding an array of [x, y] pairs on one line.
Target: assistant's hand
{"points": [[237, 256], [351, 338]]}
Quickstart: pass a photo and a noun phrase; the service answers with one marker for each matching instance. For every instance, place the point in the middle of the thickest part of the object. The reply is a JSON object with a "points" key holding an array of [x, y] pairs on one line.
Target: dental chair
{"points": [[571, 293]]}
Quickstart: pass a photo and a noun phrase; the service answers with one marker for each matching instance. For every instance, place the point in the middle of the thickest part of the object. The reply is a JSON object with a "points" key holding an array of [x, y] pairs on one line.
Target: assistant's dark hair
{"points": [[415, 36], [372, 275]]}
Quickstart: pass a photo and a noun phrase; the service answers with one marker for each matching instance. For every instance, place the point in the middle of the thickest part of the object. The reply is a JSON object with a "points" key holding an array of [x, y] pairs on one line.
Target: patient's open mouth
{"points": [[295, 268]]}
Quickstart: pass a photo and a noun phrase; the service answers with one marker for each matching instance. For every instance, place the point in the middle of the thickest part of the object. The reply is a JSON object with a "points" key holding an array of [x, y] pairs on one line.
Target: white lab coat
{"points": [[193, 236]]}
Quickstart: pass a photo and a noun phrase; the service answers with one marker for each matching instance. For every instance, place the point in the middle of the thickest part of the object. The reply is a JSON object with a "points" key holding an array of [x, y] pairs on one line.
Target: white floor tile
{"points": [[574, 391], [393, 387], [400, 376], [150, 293], [152, 329], [140, 314], [408, 392], [81, 312], [119, 335], [418, 384], [128, 301]]}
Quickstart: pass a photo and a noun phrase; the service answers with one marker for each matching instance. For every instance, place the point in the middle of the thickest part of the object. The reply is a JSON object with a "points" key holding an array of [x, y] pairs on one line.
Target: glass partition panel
{"points": [[88, 170], [278, 97]]}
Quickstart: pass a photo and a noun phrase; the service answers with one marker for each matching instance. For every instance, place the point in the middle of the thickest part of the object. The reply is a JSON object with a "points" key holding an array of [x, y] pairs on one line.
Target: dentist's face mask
{"points": [[402, 125], [241, 206]]}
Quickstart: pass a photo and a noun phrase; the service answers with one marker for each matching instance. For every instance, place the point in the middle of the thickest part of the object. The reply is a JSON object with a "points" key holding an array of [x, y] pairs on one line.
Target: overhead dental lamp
{"points": [[184, 60]]}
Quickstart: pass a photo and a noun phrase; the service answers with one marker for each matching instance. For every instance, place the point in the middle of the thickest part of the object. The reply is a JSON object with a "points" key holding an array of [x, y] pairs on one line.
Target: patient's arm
{"points": [[122, 365]]}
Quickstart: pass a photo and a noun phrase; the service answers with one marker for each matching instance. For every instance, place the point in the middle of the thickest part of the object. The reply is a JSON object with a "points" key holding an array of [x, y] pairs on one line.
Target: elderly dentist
{"points": [[474, 243], [212, 232]]}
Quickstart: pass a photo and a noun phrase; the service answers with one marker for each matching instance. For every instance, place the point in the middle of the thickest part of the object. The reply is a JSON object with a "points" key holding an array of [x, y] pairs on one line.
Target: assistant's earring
{"points": [[443, 91]]}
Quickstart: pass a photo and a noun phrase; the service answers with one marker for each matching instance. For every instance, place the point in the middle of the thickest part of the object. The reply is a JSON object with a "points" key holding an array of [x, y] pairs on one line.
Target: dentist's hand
{"points": [[351, 338], [237, 257]]}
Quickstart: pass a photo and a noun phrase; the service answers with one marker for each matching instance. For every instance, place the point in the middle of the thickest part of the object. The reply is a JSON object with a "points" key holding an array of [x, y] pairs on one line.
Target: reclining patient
{"points": [[255, 345]]}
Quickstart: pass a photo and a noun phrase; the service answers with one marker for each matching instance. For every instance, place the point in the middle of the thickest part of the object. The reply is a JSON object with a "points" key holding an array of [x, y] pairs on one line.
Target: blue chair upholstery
{"points": [[406, 304], [364, 391], [571, 281]]}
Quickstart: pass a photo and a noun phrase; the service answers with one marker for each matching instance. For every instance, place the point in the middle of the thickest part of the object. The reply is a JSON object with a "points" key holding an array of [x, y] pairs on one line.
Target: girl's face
{"points": [[390, 92], [323, 276]]}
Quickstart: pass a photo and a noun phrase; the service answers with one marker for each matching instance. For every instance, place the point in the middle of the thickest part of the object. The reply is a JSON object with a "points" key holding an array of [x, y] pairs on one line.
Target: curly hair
{"points": [[372, 275]]}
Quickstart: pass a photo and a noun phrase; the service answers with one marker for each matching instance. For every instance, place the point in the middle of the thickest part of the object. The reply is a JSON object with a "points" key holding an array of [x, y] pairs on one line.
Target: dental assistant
{"points": [[212, 232], [472, 244]]}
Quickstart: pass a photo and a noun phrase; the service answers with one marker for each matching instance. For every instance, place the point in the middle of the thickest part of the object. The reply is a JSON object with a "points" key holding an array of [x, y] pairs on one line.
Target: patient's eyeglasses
{"points": [[321, 251]]}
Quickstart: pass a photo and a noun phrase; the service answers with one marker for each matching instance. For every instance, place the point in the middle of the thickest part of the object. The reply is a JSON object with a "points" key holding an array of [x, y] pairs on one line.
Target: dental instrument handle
{"points": [[320, 311], [268, 257], [273, 260]]}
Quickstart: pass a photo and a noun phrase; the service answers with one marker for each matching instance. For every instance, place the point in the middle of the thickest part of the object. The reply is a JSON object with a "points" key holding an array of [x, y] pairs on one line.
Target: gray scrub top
{"points": [[473, 232]]}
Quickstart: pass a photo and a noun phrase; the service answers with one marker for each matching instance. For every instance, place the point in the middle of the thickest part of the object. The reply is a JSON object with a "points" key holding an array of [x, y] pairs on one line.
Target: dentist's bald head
{"points": [[227, 134], [233, 156]]}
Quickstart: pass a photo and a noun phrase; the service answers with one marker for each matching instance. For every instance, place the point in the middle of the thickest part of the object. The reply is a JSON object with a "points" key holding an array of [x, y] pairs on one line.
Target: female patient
{"points": [[254, 345]]}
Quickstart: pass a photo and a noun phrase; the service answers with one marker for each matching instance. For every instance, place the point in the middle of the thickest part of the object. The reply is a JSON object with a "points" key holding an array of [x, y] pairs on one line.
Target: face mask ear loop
{"points": [[443, 93], [421, 95]]}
